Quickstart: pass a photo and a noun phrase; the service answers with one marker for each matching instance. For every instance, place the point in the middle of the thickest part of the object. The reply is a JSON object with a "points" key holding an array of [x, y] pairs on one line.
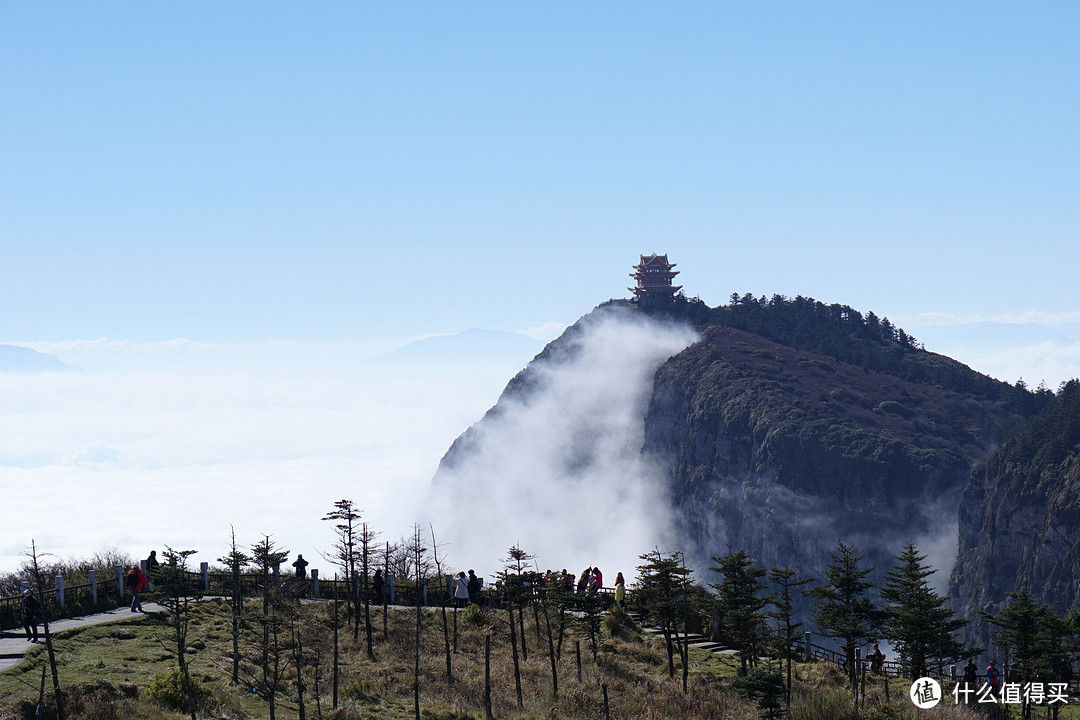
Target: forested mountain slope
{"points": [[1020, 517]]}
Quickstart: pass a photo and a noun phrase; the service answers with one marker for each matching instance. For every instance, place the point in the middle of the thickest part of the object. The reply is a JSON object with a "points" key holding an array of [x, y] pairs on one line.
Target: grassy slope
{"points": [[128, 656]]}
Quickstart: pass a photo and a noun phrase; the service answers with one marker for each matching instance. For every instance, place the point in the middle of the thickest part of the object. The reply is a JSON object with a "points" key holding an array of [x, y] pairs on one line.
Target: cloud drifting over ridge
{"points": [[560, 471]]}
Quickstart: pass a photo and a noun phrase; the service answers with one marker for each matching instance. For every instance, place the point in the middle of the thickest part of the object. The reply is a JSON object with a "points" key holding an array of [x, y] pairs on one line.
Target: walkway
{"points": [[14, 645], [694, 640]]}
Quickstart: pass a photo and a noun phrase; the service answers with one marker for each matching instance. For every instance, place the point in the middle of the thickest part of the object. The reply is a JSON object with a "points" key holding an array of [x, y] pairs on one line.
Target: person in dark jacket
{"points": [[31, 612], [136, 582], [971, 674], [377, 587], [474, 588]]}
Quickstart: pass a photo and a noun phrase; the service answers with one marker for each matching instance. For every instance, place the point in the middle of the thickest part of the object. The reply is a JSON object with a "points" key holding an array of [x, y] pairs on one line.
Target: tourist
{"points": [[301, 566], [597, 579], [877, 660], [474, 588], [993, 679], [583, 581], [971, 674], [136, 582], [377, 587], [461, 590], [152, 564], [620, 590], [31, 612]]}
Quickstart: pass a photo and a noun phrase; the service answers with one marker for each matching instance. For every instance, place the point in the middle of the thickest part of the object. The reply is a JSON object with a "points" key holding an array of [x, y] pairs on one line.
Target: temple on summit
{"points": [[654, 275]]}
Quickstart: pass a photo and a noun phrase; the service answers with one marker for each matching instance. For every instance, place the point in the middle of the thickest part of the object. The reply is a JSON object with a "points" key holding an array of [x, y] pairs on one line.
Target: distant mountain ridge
{"points": [[466, 345], [15, 358]]}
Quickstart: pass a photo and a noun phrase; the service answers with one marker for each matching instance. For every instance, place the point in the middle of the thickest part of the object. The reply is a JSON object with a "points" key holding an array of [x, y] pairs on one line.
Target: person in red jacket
{"points": [[137, 582]]}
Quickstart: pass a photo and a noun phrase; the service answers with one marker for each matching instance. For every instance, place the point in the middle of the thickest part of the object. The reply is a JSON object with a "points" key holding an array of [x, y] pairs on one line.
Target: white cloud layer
{"points": [[169, 443], [561, 472]]}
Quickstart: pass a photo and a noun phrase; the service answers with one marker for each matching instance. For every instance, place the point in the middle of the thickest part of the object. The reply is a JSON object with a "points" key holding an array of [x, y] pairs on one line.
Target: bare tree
{"points": [[443, 592], [367, 556], [419, 555], [37, 578]]}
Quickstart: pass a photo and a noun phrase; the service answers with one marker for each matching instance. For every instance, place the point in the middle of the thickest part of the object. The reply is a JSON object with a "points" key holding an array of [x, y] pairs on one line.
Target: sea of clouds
{"points": [[172, 443], [147, 445]]}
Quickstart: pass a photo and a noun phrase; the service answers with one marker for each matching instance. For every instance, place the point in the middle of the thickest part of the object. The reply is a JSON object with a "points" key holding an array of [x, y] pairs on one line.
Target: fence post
{"points": [[806, 645], [119, 572], [314, 583], [92, 577], [204, 570], [952, 672], [59, 591], [390, 584], [423, 593], [450, 585], [277, 573], [146, 571]]}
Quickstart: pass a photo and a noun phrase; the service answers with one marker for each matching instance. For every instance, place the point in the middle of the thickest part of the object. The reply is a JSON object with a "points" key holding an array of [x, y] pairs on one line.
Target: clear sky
{"points": [[217, 210], [278, 171]]}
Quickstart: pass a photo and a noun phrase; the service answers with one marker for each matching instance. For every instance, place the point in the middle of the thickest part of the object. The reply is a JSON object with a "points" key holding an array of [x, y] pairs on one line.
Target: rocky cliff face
{"points": [[1020, 519], [780, 428], [782, 452]]}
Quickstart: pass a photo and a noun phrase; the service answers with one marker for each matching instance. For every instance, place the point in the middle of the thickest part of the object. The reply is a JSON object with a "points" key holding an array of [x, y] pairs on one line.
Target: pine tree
{"points": [[235, 560], [661, 587], [845, 609], [1035, 639], [272, 659], [787, 630], [177, 617], [916, 618], [740, 603], [346, 554]]}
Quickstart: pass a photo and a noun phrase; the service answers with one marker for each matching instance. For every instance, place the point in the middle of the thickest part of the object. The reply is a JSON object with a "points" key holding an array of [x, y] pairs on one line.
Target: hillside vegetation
{"points": [[126, 671]]}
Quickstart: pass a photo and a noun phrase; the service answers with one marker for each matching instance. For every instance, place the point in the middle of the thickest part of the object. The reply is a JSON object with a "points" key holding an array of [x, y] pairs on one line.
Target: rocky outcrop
{"points": [[1020, 519], [782, 452]]}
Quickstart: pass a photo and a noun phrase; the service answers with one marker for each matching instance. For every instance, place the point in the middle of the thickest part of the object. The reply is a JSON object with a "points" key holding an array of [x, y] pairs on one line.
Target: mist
{"points": [[557, 469]]}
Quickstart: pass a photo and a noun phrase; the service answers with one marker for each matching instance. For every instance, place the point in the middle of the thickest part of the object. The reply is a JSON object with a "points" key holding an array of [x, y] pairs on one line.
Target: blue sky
{"points": [[219, 210], [251, 171]]}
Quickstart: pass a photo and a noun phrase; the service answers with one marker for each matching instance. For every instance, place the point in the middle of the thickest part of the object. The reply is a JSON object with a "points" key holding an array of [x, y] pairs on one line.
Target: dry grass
{"points": [[108, 668]]}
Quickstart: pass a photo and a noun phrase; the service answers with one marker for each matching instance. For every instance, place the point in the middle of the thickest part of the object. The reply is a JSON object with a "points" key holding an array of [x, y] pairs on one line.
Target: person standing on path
{"points": [[301, 566], [377, 587], [31, 612], [474, 588], [583, 581], [461, 590], [137, 582]]}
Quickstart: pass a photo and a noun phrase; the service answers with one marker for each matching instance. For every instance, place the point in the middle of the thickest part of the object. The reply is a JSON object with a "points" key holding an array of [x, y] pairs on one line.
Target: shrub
{"points": [[168, 690], [472, 616], [618, 624]]}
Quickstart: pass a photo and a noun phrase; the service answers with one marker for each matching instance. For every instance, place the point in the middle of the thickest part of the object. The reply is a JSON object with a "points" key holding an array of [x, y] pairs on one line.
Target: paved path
{"points": [[14, 645]]}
